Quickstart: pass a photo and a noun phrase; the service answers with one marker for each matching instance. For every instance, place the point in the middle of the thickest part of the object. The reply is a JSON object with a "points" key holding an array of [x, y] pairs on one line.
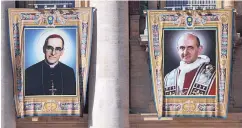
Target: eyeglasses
{"points": [[51, 49]]}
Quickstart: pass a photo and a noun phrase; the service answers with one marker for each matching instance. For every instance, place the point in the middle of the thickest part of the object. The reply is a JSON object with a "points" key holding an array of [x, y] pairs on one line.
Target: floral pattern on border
{"points": [[222, 76], [206, 107], [73, 16], [200, 107], [69, 106], [213, 17], [224, 44], [30, 16], [156, 46], [57, 17], [33, 106], [222, 80], [181, 19], [172, 107], [16, 39], [168, 17], [17, 57]]}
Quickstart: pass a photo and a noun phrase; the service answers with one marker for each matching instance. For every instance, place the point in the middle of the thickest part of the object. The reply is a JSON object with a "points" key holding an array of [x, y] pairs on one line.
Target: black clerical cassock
{"points": [[40, 79]]}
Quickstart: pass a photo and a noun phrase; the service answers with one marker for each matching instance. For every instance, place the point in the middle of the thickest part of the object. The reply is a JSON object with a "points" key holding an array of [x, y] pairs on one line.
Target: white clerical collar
{"points": [[52, 65], [188, 67], [185, 68]]}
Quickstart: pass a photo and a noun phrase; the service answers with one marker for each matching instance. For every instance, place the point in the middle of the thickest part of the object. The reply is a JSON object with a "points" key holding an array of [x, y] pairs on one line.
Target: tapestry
{"points": [[190, 59], [50, 53]]}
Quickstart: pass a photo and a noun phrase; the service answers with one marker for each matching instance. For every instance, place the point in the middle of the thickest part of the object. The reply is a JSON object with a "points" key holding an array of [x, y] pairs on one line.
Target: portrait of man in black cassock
{"points": [[50, 76]]}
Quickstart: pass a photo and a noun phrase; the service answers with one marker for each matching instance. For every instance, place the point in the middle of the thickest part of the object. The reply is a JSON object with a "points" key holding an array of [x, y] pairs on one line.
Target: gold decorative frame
{"points": [[48, 105], [191, 106]]}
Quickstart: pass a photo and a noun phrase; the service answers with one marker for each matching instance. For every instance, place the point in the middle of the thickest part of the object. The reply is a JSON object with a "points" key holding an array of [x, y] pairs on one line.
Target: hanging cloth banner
{"points": [[50, 51], [190, 58]]}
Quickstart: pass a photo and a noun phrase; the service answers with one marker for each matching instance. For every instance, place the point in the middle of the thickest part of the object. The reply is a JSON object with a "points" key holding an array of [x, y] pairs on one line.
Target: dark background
{"points": [[171, 57]]}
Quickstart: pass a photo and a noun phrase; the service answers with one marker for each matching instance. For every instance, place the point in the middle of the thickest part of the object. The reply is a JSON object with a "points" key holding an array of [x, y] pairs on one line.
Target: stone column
{"points": [[134, 17], [134, 27], [152, 4], [228, 4], [162, 4], [108, 99], [7, 100], [83, 3]]}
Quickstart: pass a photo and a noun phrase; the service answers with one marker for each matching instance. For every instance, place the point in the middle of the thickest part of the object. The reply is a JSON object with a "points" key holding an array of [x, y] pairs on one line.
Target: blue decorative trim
{"points": [[150, 65]]}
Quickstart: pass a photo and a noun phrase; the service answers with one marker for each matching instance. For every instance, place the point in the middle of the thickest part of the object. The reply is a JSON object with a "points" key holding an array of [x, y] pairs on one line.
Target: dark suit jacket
{"points": [[39, 78]]}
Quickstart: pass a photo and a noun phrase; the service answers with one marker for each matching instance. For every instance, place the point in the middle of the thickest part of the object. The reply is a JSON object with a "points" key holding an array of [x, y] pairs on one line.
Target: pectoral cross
{"points": [[52, 88]]}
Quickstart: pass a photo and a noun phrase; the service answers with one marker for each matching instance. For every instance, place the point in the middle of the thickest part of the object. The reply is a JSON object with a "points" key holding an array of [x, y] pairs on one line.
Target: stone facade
{"points": [[7, 102]]}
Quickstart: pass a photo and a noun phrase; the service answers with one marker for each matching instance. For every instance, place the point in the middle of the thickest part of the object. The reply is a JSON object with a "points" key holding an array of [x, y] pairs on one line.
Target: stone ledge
{"points": [[134, 17], [143, 39], [232, 118], [141, 118], [56, 119]]}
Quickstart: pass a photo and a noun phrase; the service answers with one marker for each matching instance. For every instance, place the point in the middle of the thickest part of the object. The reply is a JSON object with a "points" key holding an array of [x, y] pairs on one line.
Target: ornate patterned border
{"points": [[203, 107], [57, 105]]}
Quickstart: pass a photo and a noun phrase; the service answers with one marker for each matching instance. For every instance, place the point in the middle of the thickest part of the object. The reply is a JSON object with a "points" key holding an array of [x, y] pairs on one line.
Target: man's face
{"points": [[53, 50], [188, 49]]}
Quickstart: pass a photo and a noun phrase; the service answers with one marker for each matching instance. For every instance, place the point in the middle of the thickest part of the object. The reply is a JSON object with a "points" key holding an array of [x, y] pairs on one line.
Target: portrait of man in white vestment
{"points": [[189, 62]]}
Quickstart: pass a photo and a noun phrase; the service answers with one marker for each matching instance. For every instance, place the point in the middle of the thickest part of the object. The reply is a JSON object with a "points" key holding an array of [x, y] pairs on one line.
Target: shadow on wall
{"points": [[142, 23]]}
